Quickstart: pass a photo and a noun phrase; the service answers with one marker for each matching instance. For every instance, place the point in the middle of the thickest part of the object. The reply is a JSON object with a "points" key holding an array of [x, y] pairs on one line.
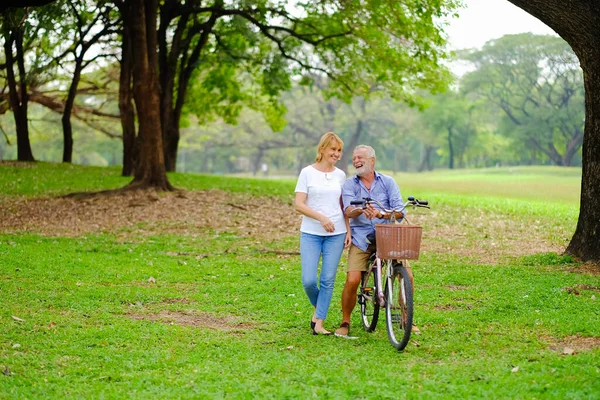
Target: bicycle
{"points": [[394, 249]]}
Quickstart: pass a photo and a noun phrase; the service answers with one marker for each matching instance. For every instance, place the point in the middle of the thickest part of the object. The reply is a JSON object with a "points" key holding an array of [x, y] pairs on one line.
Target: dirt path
{"points": [[483, 238]]}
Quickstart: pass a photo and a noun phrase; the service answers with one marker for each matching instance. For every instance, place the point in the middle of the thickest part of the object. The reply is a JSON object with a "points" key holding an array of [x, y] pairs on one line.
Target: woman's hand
{"points": [[327, 224], [348, 240]]}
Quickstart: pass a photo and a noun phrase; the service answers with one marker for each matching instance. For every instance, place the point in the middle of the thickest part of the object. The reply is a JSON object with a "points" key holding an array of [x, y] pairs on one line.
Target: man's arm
{"points": [[353, 212]]}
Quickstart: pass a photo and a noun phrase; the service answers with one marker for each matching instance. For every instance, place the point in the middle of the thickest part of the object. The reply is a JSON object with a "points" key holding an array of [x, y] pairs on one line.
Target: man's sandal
{"points": [[343, 330]]}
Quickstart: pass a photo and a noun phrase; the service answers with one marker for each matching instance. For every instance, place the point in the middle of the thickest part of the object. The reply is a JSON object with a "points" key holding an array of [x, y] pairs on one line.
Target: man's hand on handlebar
{"points": [[372, 213]]}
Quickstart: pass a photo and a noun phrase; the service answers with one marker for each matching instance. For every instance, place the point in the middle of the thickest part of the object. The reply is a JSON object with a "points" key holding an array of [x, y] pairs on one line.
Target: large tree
{"points": [[537, 82], [239, 52], [146, 92], [230, 54], [577, 23], [13, 32], [448, 118]]}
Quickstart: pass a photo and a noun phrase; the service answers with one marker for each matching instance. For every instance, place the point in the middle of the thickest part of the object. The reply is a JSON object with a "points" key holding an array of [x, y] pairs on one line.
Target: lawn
{"points": [[198, 294]]}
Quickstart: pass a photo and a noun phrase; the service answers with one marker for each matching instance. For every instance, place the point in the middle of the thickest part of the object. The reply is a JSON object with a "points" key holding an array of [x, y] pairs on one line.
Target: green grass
{"points": [[77, 299], [543, 184]]}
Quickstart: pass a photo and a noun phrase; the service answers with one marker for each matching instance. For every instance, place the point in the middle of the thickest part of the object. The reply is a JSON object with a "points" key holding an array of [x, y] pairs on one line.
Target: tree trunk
{"points": [[171, 143], [257, 160], [450, 149], [66, 117], [126, 110], [168, 61], [177, 64], [18, 96], [573, 146], [146, 92], [426, 160], [577, 23], [584, 244]]}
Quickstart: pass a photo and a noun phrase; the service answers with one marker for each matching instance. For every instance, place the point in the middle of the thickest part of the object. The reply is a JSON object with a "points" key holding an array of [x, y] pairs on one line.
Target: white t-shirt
{"points": [[323, 191]]}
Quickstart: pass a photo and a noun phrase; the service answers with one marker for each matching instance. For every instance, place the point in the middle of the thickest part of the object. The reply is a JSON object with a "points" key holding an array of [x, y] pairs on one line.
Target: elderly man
{"points": [[366, 183]]}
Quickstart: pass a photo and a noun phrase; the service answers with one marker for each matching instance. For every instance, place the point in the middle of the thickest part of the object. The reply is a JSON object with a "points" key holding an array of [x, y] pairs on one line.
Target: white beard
{"points": [[364, 170]]}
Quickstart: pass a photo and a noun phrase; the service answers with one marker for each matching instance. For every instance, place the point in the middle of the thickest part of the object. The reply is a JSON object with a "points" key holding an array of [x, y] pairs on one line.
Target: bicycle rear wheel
{"points": [[399, 307], [367, 298]]}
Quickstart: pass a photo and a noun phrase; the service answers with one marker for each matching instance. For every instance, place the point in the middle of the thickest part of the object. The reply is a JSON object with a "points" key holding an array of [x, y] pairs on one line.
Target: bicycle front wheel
{"points": [[367, 298], [399, 307]]}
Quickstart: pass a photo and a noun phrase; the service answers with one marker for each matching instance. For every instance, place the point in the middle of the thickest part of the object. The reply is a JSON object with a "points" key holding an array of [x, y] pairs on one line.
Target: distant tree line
{"points": [[521, 102]]}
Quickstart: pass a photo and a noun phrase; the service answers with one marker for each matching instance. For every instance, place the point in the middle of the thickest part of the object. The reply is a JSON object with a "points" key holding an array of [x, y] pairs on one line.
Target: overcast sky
{"points": [[484, 20]]}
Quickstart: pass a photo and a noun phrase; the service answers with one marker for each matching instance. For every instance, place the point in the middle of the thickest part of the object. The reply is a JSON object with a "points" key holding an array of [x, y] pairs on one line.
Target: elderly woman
{"points": [[325, 231]]}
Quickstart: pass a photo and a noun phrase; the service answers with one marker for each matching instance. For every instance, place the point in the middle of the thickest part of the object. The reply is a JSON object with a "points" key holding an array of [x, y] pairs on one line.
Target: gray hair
{"points": [[370, 150]]}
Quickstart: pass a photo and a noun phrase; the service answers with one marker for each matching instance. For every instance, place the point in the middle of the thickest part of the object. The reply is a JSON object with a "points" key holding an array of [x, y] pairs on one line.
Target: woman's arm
{"points": [[304, 209]]}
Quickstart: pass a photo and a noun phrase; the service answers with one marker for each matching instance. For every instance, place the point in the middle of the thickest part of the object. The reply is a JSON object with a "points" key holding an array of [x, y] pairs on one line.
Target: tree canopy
{"points": [[538, 84]]}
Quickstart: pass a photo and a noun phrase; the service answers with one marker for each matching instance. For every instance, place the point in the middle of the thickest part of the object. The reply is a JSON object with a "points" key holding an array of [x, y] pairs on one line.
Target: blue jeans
{"points": [[311, 249]]}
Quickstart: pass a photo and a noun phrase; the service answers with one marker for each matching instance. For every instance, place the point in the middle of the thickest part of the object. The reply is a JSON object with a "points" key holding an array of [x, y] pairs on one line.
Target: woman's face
{"points": [[332, 153]]}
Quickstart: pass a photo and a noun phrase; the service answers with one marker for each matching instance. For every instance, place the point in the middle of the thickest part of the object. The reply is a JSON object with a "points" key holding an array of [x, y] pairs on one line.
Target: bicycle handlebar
{"points": [[411, 202]]}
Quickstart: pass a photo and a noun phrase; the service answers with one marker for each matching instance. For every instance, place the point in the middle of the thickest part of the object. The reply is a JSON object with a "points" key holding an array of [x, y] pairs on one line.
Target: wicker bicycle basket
{"points": [[398, 241]]}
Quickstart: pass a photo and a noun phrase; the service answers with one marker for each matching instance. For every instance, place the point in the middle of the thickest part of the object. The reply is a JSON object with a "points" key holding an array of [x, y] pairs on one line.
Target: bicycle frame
{"points": [[378, 264]]}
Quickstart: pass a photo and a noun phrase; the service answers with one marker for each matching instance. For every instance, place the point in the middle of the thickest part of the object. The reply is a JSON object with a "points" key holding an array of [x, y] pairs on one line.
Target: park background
{"points": [[197, 292]]}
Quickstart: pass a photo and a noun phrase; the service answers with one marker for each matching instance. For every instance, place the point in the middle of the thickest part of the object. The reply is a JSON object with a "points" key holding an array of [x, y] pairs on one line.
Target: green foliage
{"points": [[538, 83], [395, 48], [81, 317]]}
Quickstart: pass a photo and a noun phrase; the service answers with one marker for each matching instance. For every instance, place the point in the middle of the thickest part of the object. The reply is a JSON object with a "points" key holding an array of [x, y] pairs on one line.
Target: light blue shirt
{"points": [[384, 189]]}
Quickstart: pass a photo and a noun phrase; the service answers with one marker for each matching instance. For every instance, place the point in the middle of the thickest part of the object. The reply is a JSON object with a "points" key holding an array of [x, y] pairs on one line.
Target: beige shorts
{"points": [[357, 259]]}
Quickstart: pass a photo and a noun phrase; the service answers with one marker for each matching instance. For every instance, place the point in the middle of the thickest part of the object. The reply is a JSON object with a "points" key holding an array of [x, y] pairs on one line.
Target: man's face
{"points": [[363, 164]]}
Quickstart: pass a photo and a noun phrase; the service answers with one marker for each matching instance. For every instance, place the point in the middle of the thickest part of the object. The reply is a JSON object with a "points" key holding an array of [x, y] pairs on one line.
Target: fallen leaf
{"points": [[151, 280], [515, 369], [18, 319]]}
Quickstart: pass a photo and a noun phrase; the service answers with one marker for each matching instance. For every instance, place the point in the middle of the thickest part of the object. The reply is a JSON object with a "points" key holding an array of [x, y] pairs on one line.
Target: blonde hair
{"points": [[325, 142]]}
